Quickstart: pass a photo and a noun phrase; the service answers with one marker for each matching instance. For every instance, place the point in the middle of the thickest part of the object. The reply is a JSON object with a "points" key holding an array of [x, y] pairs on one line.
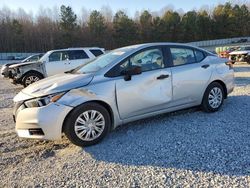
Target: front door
{"points": [[148, 91], [58, 62]]}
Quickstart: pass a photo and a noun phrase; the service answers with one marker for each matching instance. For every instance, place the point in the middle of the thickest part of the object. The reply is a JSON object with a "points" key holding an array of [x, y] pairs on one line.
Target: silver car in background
{"points": [[4, 72], [121, 86]]}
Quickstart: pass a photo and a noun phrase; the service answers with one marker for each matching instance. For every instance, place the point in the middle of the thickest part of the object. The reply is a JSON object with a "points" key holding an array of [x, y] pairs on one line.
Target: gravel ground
{"points": [[187, 148]]}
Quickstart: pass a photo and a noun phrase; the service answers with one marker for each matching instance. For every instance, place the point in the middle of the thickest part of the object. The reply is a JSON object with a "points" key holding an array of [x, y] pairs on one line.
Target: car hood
{"points": [[22, 64], [239, 52], [55, 84], [12, 63]]}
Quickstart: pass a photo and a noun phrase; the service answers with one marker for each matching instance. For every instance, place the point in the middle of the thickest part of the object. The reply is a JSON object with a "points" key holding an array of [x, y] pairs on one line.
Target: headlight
{"points": [[13, 71], [43, 101]]}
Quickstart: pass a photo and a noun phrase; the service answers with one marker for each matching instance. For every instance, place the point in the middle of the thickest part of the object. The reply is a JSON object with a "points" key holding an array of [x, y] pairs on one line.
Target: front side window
{"points": [[148, 60], [59, 56], [77, 54], [182, 56], [151, 59]]}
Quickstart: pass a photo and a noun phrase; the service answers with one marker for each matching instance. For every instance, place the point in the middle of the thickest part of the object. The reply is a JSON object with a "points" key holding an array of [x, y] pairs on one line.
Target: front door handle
{"points": [[163, 76], [205, 66]]}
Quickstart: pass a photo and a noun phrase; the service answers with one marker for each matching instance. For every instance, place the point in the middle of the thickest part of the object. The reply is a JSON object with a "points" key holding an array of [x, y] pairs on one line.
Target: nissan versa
{"points": [[121, 86]]}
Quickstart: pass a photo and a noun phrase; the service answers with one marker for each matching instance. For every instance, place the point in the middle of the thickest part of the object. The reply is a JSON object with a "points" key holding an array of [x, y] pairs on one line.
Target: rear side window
{"points": [[77, 54], [96, 52], [182, 56], [199, 55]]}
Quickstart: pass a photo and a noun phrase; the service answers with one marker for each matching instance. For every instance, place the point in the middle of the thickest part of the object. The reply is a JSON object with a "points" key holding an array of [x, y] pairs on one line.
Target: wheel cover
{"points": [[89, 125], [31, 79], [215, 97]]}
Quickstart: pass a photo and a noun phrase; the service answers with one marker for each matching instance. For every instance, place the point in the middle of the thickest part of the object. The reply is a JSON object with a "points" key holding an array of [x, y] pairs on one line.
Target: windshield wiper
{"points": [[70, 71]]}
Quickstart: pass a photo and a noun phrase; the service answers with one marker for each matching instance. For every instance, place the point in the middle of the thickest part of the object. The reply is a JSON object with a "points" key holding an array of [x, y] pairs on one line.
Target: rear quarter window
{"points": [[199, 55], [77, 54]]}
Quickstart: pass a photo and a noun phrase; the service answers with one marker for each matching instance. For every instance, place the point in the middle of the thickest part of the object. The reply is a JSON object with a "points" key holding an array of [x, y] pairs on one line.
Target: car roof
{"points": [[128, 50], [137, 47], [78, 48]]}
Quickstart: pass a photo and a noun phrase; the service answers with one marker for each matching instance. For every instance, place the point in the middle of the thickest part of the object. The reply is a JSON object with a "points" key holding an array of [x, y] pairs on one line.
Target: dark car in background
{"points": [[242, 54]]}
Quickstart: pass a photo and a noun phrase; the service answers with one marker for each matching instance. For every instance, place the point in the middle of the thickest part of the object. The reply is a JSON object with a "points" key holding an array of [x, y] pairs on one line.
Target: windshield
{"points": [[32, 58], [44, 57], [27, 59], [100, 62]]}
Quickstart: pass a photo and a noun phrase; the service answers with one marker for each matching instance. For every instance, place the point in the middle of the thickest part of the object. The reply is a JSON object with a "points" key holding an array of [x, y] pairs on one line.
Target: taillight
{"points": [[230, 64]]}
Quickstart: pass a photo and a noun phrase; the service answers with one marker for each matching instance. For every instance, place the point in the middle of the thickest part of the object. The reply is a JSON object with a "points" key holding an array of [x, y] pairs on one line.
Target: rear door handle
{"points": [[163, 76], [205, 66]]}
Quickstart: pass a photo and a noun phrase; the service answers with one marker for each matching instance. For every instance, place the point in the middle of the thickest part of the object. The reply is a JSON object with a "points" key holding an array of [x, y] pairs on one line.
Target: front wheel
{"points": [[213, 97], [87, 124], [30, 78]]}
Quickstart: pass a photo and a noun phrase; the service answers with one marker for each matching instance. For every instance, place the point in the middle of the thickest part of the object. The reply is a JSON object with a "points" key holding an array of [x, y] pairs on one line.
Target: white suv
{"points": [[53, 62]]}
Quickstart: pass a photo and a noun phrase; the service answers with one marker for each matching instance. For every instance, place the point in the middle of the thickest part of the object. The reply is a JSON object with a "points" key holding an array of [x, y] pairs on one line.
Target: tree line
{"points": [[21, 32]]}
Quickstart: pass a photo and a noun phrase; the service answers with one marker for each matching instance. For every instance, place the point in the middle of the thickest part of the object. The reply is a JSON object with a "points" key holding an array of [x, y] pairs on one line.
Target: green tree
{"points": [[17, 36], [189, 26], [171, 21], [68, 26], [146, 29], [204, 28], [97, 27], [223, 24], [158, 30], [241, 20], [125, 31]]}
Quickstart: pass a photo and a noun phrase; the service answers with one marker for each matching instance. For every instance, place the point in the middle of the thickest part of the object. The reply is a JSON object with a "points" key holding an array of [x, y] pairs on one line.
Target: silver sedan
{"points": [[124, 85]]}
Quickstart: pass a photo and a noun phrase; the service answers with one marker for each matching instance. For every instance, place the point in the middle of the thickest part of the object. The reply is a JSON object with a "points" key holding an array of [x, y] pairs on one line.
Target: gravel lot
{"points": [[188, 148]]}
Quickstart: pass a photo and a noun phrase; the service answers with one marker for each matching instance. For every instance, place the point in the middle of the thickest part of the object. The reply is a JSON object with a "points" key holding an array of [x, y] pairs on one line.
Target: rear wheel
{"points": [[87, 124], [213, 97], [30, 78]]}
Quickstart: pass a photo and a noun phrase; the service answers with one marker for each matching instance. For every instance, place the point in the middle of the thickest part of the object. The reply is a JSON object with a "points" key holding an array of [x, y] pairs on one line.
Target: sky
{"points": [[130, 6]]}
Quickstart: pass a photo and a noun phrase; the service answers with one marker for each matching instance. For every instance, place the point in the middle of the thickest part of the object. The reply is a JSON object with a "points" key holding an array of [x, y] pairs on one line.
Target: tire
{"points": [[30, 78], [77, 130], [213, 97], [248, 59]]}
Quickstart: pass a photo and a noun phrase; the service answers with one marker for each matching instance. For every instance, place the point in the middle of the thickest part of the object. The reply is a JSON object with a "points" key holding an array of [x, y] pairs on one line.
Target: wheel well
{"points": [[104, 104], [223, 86], [32, 71]]}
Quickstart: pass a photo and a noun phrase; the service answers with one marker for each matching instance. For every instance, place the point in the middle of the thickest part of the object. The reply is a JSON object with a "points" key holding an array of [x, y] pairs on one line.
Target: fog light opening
{"points": [[36, 132]]}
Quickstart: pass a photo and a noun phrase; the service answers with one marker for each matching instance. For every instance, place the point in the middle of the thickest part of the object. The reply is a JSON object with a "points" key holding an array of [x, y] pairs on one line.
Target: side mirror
{"points": [[134, 70]]}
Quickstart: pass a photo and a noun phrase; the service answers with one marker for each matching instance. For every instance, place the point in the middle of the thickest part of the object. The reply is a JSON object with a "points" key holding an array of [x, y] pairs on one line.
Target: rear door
{"points": [[191, 72], [77, 58], [58, 62]]}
